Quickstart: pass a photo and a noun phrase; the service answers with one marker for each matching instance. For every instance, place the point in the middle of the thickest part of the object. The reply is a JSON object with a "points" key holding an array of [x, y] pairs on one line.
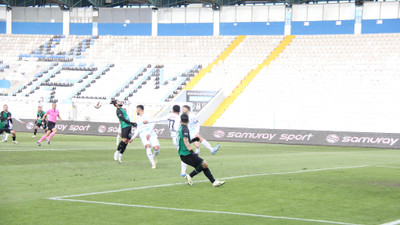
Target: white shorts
{"points": [[193, 133], [152, 142], [175, 141]]}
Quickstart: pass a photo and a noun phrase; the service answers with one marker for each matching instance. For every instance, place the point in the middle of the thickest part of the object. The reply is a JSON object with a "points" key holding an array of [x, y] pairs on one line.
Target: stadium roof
{"points": [[65, 4]]}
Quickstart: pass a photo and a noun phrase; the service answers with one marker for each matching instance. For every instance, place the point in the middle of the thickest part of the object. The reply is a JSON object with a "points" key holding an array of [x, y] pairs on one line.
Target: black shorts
{"points": [[41, 124], [193, 160], [51, 125], [7, 130], [126, 132]]}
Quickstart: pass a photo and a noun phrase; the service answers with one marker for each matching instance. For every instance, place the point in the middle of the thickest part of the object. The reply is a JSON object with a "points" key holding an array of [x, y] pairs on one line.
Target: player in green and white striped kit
{"points": [[189, 157], [3, 124], [126, 129], [7, 119], [40, 121]]}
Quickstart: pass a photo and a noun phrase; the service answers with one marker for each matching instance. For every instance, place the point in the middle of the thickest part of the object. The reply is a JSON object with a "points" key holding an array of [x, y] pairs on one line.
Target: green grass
{"points": [[30, 175]]}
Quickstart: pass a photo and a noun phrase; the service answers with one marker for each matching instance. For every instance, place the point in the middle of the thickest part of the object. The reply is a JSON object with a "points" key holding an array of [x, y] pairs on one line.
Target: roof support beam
{"points": [[97, 3]]}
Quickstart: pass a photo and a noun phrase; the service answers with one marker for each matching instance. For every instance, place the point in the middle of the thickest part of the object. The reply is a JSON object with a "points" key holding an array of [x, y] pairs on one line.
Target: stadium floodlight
{"points": [[215, 7], [63, 7]]}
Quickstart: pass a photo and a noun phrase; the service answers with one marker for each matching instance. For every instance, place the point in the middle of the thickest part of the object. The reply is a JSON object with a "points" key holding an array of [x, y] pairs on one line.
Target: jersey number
{"points": [[171, 124]]}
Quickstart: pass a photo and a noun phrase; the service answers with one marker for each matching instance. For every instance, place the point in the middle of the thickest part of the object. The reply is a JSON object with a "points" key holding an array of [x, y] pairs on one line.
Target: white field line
{"points": [[226, 178], [64, 198], [390, 167], [206, 211], [114, 191], [392, 223], [43, 149]]}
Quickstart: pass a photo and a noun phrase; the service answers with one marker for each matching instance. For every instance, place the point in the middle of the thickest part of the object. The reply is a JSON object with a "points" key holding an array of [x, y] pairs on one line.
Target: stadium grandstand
{"points": [[291, 65]]}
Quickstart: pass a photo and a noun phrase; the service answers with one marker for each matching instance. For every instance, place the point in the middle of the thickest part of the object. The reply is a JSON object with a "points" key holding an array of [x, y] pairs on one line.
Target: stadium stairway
{"points": [[221, 57], [247, 79]]}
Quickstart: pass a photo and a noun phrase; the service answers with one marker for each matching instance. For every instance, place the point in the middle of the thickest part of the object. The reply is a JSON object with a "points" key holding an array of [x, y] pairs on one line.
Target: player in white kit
{"points": [[174, 123], [173, 119], [147, 135]]}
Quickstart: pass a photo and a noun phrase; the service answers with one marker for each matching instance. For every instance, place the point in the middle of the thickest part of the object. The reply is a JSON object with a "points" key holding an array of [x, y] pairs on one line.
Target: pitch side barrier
{"points": [[271, 136]]}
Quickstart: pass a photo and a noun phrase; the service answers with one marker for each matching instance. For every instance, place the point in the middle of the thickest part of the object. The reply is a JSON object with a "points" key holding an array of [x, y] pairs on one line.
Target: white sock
{"points": [[198, 151], [6, 136], [3, 136], [156, 152], [150, 156], [207, 145], [119, 156], [117, 139], [183, 167]]}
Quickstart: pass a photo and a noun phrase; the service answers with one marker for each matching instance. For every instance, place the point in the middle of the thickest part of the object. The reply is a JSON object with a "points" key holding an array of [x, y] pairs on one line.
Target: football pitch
{"points": [[76, 181]]}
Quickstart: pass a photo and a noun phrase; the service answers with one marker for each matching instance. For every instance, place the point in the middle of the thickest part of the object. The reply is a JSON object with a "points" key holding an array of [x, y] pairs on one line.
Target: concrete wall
{"points": [[313, 19]]}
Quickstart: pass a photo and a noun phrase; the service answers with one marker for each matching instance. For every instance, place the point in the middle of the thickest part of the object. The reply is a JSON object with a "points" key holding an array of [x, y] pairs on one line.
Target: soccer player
{"points": [[119, 135], [6, 118], [147, 135], [189, 157], [126, 129], [40, 121], [174, 122], [3, 125], [51, 116], [194, 128]]}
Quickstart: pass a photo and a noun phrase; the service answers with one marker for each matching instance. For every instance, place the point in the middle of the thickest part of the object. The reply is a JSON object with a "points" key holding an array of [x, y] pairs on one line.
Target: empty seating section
{"points": [[3, 67], [165, 87], [68, 43], [14, 44], [340, 82], [252, 51], [21, 72], [157, 50], [28, 56], [34, 88], [325, 82], [17, 72], [130, 54], [107, 84], [63, 84]]}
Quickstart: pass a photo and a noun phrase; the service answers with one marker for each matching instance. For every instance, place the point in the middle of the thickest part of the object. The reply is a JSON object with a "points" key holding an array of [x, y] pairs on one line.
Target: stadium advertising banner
{"points": [[84, 128], [221, 134], [303, 137]]}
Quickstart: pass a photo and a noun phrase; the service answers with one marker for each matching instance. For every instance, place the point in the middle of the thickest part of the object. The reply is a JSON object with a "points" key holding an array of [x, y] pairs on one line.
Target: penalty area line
{"points": [[206, 211]]}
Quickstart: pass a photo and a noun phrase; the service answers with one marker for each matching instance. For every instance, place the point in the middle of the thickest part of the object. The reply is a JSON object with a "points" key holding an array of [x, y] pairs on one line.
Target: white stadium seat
{"points": [[319, 82]]}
